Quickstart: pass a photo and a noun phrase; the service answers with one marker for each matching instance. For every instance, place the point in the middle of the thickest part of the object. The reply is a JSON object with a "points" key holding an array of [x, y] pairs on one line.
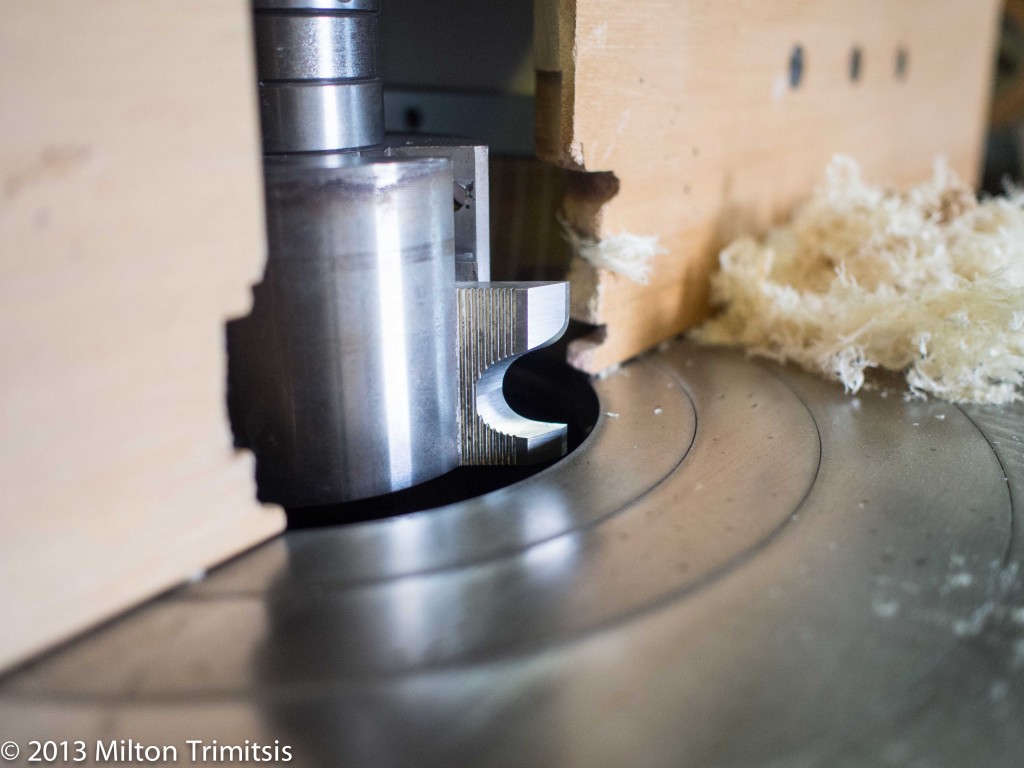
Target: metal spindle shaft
{"points": [[319, 75]]}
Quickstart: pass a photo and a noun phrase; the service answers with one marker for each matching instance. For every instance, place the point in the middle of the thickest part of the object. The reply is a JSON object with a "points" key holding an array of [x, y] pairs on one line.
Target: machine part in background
{"points": [[497, 324], [1004, 149], [319, 76], [344, 378], [504, 121], [470, 194]]}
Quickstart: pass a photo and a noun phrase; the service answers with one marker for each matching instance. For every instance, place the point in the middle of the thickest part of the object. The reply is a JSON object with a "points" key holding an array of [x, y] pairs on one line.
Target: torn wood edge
{"points": [[583, 203]]}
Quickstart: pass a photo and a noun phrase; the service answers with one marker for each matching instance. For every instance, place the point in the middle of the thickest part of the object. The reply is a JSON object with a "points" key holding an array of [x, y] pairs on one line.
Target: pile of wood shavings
{"points": [[929, 283]]}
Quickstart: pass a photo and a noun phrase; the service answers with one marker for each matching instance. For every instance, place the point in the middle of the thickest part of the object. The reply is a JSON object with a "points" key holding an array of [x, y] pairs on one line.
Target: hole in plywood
{"points": [[796, 66], [902, 63], [856, 62]]}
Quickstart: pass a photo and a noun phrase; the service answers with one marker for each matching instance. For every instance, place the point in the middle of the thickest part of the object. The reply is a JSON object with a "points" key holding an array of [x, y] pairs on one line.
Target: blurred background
{"points": [[1005, 150]]}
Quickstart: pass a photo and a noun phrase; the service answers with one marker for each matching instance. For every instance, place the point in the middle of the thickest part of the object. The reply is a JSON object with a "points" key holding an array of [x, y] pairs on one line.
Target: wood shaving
{"points": [[623, 254], [929, 283]]}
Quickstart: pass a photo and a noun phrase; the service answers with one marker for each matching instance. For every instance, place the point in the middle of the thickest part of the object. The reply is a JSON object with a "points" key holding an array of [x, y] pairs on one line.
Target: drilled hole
{"points": [[856, 59], [796, 66], [902, 63], [413, 118]]}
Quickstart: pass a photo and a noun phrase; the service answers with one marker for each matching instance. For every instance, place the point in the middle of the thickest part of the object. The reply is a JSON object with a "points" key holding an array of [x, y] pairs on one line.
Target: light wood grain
{"points": [[131, 223], [688, 104]]}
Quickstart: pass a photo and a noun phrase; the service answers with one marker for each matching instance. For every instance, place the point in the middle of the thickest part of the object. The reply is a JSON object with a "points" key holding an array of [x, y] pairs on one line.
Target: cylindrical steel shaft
{"points": [[344, 380], [319, 75]]}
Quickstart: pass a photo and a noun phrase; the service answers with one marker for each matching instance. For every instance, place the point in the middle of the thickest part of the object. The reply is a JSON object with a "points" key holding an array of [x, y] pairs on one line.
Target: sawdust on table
{"points": [[928, 282]]}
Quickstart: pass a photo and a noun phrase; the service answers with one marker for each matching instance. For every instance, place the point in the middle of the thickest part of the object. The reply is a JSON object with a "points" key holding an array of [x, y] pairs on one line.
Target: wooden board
{"points": [[132, 228], [688, 109]]}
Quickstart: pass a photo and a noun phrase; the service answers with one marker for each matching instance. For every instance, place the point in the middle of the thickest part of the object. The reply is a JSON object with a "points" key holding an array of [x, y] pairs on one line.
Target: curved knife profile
{"points": [[497, 324]]}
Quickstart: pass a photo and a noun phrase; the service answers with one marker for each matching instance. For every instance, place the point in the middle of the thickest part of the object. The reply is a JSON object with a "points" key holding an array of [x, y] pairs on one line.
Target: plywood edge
{"points": [[555, 62], [128, 245]]}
